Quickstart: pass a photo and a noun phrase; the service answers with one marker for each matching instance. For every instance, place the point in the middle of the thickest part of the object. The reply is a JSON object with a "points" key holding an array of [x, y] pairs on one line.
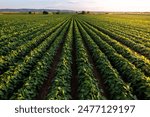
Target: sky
{"points": [[90, 5]]}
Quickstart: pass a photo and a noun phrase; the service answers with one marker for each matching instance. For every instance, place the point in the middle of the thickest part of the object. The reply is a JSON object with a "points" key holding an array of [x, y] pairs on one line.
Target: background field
{"points": [[74, 56]]}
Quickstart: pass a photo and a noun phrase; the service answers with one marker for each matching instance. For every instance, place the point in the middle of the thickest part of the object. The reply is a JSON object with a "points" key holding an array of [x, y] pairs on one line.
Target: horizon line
{"points": [[69, 10]]}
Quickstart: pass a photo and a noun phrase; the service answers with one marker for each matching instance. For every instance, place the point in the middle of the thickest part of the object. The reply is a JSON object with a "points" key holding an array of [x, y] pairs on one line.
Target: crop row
{"points": [[138, 61], [139, 82], [126, 33], [12, 78], [74, 57], [115, 86], [60, 88], [134, 27], [14, 26], [129, 43], [87, 83], [24, 49], [39, 74], [12, 45]]}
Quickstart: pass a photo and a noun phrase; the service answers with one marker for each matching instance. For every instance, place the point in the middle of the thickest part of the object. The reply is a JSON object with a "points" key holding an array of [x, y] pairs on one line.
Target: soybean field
{"points": [[75, 57]]}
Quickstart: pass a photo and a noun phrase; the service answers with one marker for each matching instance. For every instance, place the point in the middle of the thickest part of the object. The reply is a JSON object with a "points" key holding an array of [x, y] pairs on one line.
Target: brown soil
{"points": [[45, 87], [74, 80], [97, 75]]}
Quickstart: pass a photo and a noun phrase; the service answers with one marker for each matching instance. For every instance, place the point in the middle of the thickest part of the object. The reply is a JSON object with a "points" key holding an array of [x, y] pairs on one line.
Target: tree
{"points": [[30, 12], [45, 12], [83, 12], [57, 12]]}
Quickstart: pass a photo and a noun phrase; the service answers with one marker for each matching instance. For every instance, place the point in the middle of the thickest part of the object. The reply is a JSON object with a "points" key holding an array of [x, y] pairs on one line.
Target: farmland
{"points": [[75, 57]]}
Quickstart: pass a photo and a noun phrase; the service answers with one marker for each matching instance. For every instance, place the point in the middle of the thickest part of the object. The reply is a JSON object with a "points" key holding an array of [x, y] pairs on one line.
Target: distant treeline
{"points": [[44, 12]]}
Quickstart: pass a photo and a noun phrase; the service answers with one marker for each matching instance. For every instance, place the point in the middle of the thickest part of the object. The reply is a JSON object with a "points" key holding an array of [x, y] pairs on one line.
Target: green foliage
{"points": [[13, 77], [129, 72], [88, 85], [61, 89], [116, 87], [36, 78], [45, 12], [118, 44]]}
